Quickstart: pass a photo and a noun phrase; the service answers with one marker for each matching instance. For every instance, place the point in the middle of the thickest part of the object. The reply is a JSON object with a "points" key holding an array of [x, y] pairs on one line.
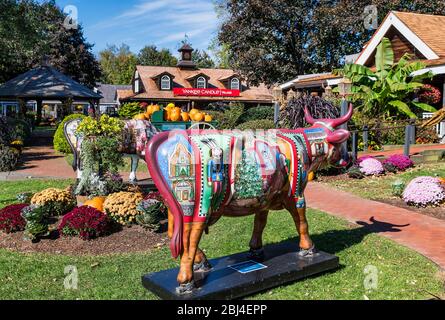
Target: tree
{"points": [[118, 64], [274, 41], [151, 56], [30, 30], [388, 90], [221, 52], [202, 59]]}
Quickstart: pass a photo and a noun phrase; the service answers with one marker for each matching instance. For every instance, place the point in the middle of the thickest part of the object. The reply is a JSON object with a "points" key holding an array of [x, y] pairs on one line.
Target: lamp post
{"points": [[344, 89]]}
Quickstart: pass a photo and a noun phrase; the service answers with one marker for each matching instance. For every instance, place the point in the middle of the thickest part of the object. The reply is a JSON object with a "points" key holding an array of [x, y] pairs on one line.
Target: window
{"points": [[234, 84], [136, 82], [165, 83], [201, 83]]}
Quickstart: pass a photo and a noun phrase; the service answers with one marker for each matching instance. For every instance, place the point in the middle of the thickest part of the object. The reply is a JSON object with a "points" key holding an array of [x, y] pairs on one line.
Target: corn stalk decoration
{"points": [[292, 112]]}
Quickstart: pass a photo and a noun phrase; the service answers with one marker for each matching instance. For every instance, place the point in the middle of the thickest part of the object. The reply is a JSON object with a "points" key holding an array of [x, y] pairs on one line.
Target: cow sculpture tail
{"points": [[176, 244]]}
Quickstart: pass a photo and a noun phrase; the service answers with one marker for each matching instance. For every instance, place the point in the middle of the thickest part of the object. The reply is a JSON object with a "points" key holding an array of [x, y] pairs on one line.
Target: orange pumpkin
{"points": [[175, 114], [198, 117], [97, 203], [185, 116], [208, 118], [140, 116], [193, 112]]}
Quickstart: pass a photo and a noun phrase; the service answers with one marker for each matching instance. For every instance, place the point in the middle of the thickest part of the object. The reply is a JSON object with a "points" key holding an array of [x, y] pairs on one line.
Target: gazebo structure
{"points": [[46, 83]]}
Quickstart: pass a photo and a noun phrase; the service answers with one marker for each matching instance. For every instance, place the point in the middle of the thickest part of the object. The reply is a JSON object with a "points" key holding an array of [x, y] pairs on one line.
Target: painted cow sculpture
{"points": [[206, 174], [135, 136]]}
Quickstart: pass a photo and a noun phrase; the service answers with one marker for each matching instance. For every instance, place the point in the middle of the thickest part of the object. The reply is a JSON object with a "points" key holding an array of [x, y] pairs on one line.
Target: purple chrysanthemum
{"points": [[371, 166], [400, 161], [424, 191]]}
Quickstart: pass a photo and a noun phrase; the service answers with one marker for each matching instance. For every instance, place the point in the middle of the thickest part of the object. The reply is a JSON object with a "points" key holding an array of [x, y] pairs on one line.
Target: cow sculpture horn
{"points": [[334, 123]]}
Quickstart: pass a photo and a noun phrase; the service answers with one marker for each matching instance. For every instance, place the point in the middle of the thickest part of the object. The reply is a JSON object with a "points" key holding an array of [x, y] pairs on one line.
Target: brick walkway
{"points": [[40, 160], [413, 150], [421, 233]]}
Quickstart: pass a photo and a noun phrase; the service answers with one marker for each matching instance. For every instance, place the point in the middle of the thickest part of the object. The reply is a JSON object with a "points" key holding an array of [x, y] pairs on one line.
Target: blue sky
{"points": [[141, 22]]}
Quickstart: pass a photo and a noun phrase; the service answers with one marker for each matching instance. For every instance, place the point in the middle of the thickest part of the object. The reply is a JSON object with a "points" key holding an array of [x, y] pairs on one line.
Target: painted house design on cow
{"points": [[181, 174]]}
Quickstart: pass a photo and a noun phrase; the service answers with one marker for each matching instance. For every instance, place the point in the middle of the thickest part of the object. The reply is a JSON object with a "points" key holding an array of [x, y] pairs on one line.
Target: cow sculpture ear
{"points": [[338, 136]]}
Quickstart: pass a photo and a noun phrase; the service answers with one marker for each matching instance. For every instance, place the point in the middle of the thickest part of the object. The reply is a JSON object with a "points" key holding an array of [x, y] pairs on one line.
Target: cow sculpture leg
{"points": [[256, 243], [307, 247], [201, 264], [134, 167], [191, 236]]}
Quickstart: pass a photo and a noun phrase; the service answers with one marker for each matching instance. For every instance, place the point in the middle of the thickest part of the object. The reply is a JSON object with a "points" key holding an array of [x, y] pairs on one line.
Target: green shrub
{"points": [[257, 124], [21, 129], [355, 173], [258, 113], [129, 110], [8, 158], [5, 132], [59, 141]]}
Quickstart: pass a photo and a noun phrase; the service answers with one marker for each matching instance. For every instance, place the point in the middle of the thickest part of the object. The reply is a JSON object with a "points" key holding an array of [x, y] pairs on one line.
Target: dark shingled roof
{"points": [[109, 92], [47, 83]]}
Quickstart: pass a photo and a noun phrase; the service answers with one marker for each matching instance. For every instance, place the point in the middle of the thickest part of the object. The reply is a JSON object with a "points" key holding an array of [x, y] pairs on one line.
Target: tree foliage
{"points": [[273, 41], [151, 56], [388, 91], [202, 59], [30, 30], [118, 64]]}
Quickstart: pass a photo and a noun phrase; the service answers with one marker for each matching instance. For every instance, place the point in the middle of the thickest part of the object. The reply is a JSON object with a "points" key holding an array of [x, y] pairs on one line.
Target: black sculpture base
{"points": [[281, 265]]}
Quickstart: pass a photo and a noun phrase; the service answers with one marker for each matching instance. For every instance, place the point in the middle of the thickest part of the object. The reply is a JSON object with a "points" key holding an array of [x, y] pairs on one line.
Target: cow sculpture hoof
{"points": [[187, 288], [256, 255], [203, 266], [307, 252]]}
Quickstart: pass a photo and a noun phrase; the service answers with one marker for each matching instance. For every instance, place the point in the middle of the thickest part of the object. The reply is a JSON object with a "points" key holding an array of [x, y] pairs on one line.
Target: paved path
{"points": [[41, 161], [413, 150], [421, 233]]}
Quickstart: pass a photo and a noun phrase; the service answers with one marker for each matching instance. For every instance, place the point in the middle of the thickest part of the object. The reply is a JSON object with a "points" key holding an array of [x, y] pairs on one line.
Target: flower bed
{"points": [[11, 219], [121, 206], [57, 201], [399, 161], [424, 191], [85, 222], [371, 166]]}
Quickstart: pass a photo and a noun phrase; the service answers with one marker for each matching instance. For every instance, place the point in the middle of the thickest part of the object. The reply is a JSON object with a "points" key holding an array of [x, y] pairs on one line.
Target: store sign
{"points": [[205, 92]]}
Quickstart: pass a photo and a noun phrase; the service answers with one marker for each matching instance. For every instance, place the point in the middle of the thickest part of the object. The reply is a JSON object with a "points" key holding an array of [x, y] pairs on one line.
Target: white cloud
{"points": [[163, 22]]}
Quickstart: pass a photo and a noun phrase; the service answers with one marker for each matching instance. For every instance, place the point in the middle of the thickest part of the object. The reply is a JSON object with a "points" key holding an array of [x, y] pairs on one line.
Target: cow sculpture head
{"points": [[335, 137]]}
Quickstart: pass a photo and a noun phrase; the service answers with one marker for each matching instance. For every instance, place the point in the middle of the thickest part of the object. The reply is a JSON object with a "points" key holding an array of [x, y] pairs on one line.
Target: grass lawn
{"points": [[380, 187], [402, 273], [142, 167]]}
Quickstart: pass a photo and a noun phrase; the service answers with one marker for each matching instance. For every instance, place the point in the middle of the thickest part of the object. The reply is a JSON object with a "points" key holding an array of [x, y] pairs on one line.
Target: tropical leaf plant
{"points": [[389, 89]]}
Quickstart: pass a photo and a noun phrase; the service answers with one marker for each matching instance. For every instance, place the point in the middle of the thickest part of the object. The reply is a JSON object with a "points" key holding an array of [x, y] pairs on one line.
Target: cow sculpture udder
{"points": [[206, 174]]}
